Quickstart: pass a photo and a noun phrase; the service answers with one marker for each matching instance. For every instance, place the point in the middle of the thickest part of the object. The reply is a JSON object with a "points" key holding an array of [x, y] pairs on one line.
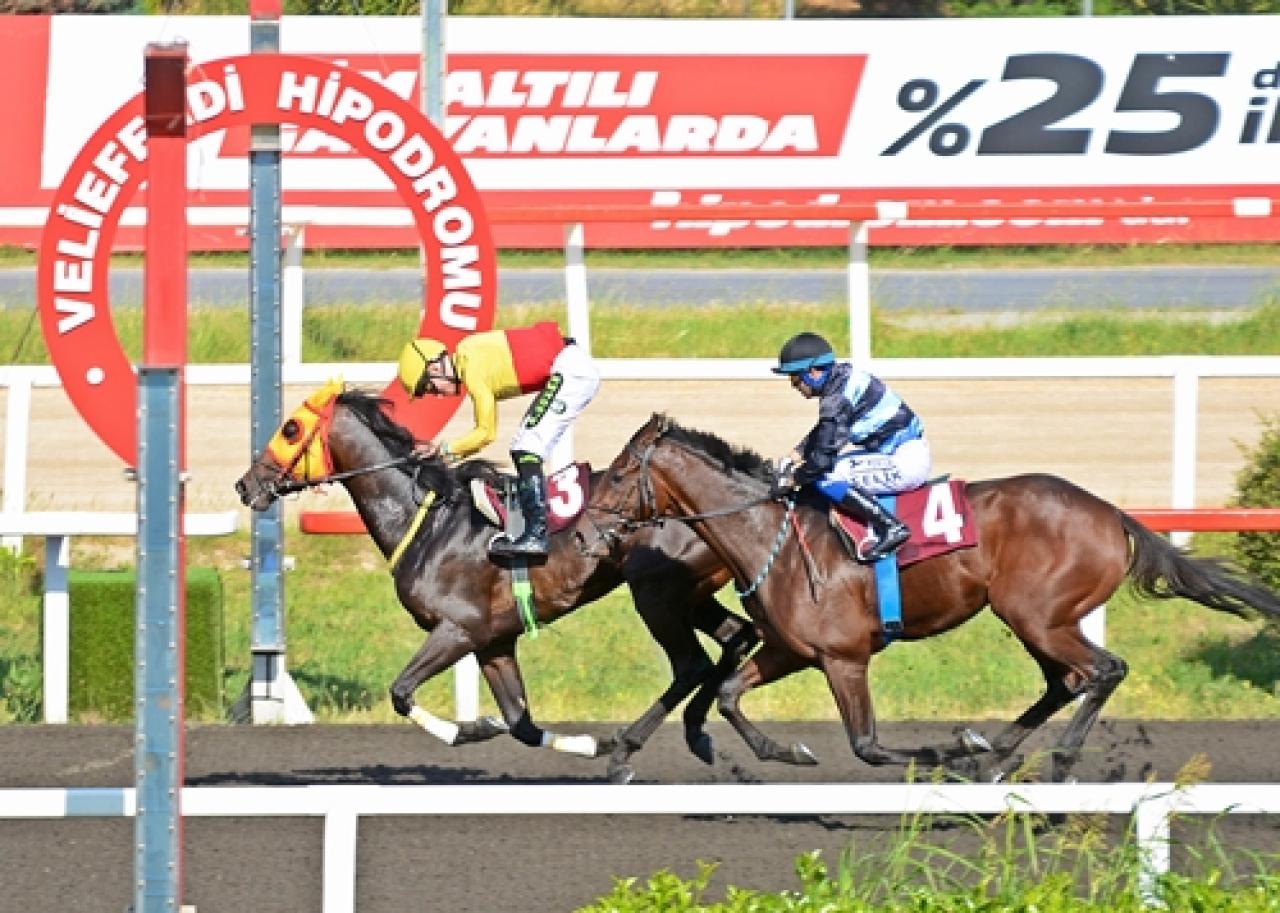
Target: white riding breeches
{"points": [[573, 384], [885, 473]]}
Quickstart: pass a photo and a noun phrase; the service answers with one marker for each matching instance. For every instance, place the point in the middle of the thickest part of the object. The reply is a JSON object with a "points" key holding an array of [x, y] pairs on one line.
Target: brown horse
{"points": [[443, 575], [1047, 554]]}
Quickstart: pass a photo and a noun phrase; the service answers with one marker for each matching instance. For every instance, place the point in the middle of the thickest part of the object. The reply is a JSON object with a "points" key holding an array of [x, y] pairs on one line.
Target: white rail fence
{"points": [[1183, 371], [1152, 804]]}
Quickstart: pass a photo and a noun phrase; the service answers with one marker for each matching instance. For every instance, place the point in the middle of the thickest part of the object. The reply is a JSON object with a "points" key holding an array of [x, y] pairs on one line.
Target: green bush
{"points": [[103, 611], [1258, 485]]}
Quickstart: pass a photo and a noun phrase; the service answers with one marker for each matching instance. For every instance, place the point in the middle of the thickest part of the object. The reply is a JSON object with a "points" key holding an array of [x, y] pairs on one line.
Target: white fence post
{"points": [[56, 657], [292, 295], [575, 284], [1186, 397], [17, 429], [859, 277]]}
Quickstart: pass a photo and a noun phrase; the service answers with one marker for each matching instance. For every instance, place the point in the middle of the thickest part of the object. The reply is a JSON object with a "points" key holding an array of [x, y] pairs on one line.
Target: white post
{"points": [[57, 628], [292, 295], [338, 892], [466, 688], [859, 275], [1151, 832], [1094, 626], [1185, 405], [17, 432], [575, 285]]}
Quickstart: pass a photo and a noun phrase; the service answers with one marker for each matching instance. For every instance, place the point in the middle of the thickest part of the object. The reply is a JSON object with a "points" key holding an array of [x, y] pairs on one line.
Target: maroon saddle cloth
{"points": [[939, 515], [567, 493]]}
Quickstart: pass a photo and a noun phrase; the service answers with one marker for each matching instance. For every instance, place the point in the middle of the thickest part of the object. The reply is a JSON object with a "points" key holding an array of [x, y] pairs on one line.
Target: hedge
{"points": [[103, 611]]}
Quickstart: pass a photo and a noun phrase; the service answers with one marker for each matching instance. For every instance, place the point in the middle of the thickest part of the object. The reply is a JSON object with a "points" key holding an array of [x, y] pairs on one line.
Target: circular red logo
{"points": [[460, 280]]}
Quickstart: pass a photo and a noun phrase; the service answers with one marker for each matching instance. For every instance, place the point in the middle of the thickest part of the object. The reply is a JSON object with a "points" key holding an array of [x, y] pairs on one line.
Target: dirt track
{"points": [[494, 864], [1114, 437]]}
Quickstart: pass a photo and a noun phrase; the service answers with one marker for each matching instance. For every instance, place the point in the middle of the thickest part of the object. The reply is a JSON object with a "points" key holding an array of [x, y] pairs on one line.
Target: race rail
{"points": [[342, 806]]}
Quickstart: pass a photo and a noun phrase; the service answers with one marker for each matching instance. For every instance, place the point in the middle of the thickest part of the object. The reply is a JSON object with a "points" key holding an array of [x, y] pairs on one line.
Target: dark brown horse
{"points": [[1048, 553], [445, 579]]}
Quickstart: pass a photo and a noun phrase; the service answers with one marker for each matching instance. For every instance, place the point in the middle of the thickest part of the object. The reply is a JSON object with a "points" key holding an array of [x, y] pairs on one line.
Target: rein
{"points": [[648, 503], [288, 486]]}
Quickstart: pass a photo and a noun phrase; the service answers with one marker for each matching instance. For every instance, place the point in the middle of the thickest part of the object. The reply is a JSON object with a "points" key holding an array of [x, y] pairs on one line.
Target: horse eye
{"points": [[291, 430]]}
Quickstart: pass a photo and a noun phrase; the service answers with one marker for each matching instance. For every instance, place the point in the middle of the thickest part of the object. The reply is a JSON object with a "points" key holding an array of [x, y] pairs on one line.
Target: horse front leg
{"points": [[737, 638], [847, 679], [502, 672], [770, 663], [443, 648]]}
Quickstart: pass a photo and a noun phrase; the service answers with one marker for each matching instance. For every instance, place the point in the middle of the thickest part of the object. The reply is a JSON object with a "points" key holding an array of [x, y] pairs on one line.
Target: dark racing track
{"points": [[495, 863]]}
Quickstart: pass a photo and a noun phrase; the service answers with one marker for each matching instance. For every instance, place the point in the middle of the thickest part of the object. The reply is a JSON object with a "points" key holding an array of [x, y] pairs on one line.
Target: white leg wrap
{"points": [[443, 730], [583, 745]]}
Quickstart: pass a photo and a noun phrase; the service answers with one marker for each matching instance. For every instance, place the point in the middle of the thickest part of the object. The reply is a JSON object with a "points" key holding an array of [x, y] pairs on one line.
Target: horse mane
{"points": [[433, 472], [731, 457]]}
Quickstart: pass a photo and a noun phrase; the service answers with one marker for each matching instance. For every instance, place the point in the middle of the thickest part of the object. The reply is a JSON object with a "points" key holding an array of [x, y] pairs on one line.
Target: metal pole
{"points": [[272, 696], [466, 672], [159, 637]]}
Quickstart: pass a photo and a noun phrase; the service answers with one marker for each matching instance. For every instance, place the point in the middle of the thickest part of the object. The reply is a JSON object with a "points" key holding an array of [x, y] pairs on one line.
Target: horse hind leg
{"points": [[440, 651], [673, 620], [1066, 678], [502, 672], [1106, 673]]}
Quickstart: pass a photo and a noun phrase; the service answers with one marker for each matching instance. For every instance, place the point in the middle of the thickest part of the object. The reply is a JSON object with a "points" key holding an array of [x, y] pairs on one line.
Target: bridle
{"points": [[287, 481], [646, 513]]}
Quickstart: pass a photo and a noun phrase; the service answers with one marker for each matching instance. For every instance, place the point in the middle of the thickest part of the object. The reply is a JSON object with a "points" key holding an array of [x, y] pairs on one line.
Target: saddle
{"points": [[938, 514], [567, 492]]}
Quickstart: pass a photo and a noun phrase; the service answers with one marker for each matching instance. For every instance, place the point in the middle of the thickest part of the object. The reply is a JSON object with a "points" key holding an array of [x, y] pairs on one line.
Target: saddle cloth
{"points": [[939, 515], [567, 493]]}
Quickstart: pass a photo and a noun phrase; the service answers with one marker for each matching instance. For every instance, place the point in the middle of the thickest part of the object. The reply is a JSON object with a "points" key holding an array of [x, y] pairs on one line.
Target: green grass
{"points": [[1078, 256], [349, 637], [362, 332], [967, 864]]}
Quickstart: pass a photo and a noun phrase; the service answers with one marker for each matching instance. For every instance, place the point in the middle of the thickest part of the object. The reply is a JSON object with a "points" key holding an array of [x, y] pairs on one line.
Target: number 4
{"points": [[940, 515]]}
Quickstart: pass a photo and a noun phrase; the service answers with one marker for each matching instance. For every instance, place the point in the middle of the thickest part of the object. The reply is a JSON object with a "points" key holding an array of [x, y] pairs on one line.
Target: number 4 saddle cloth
{"points": [[567, 493], [938, 513]]}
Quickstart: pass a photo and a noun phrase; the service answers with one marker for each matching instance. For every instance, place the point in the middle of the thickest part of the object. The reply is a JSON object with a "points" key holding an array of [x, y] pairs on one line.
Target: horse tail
{"points": [[1161, 570]]}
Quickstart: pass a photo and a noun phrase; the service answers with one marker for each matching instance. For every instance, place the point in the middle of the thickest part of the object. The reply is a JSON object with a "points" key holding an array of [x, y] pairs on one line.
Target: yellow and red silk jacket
{"points": [[498, 365]]}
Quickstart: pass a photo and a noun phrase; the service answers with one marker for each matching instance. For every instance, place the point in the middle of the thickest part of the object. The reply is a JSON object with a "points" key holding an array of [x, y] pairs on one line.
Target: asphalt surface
{"points": [[535, 863], [1005, 290]]}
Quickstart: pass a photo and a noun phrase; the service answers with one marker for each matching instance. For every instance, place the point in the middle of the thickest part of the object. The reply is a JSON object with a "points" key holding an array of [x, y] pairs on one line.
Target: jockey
{"points": [[498, 365], [867, 441]]}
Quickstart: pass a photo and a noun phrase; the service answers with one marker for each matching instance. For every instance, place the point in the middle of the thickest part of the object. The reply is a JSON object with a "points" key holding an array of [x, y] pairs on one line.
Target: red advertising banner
{"points": [[984, 113]]}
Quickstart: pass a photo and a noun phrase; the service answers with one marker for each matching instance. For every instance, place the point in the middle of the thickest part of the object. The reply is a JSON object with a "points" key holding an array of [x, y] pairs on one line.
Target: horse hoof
{"points": [[702, 749], [621, 774], [974, 741], [481, 730], [801, 756]]}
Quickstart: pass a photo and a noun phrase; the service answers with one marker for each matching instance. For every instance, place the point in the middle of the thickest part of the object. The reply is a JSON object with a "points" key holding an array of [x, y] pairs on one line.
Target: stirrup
{"points": [[872, 548], [503, 546]]}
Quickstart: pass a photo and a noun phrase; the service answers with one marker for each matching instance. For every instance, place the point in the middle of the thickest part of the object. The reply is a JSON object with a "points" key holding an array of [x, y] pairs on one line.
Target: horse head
{"points": [[297, 454], [643, 484]]}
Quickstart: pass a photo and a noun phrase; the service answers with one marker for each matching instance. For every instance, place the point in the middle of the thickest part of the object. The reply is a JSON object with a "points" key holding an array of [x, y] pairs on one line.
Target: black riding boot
{"points": [[887, 532], [532, 543]]}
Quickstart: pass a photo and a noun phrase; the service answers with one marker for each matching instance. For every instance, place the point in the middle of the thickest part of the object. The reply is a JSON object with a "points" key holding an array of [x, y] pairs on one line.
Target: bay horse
{"points": [[445, 579], [1047, 554]]}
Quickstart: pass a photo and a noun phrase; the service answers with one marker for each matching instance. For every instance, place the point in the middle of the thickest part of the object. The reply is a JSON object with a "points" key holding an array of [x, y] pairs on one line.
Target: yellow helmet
{"points": [[414, 358]]}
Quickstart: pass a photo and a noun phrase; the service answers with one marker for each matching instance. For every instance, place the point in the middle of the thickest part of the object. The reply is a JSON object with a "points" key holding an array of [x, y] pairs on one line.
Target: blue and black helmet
{"points": [[802, 352]]}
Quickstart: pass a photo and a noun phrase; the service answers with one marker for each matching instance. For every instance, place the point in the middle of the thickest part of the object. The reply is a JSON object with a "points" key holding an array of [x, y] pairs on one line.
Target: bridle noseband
{"points": [[646, 513]]}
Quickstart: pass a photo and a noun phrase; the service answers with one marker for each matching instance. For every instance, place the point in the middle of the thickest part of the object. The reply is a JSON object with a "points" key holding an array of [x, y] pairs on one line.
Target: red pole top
{"points": [[265, 9], [165, 71]]}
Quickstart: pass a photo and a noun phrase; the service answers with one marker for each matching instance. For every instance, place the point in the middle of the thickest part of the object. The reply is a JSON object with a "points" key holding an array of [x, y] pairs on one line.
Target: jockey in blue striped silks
{"points": [[866, 442]]}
